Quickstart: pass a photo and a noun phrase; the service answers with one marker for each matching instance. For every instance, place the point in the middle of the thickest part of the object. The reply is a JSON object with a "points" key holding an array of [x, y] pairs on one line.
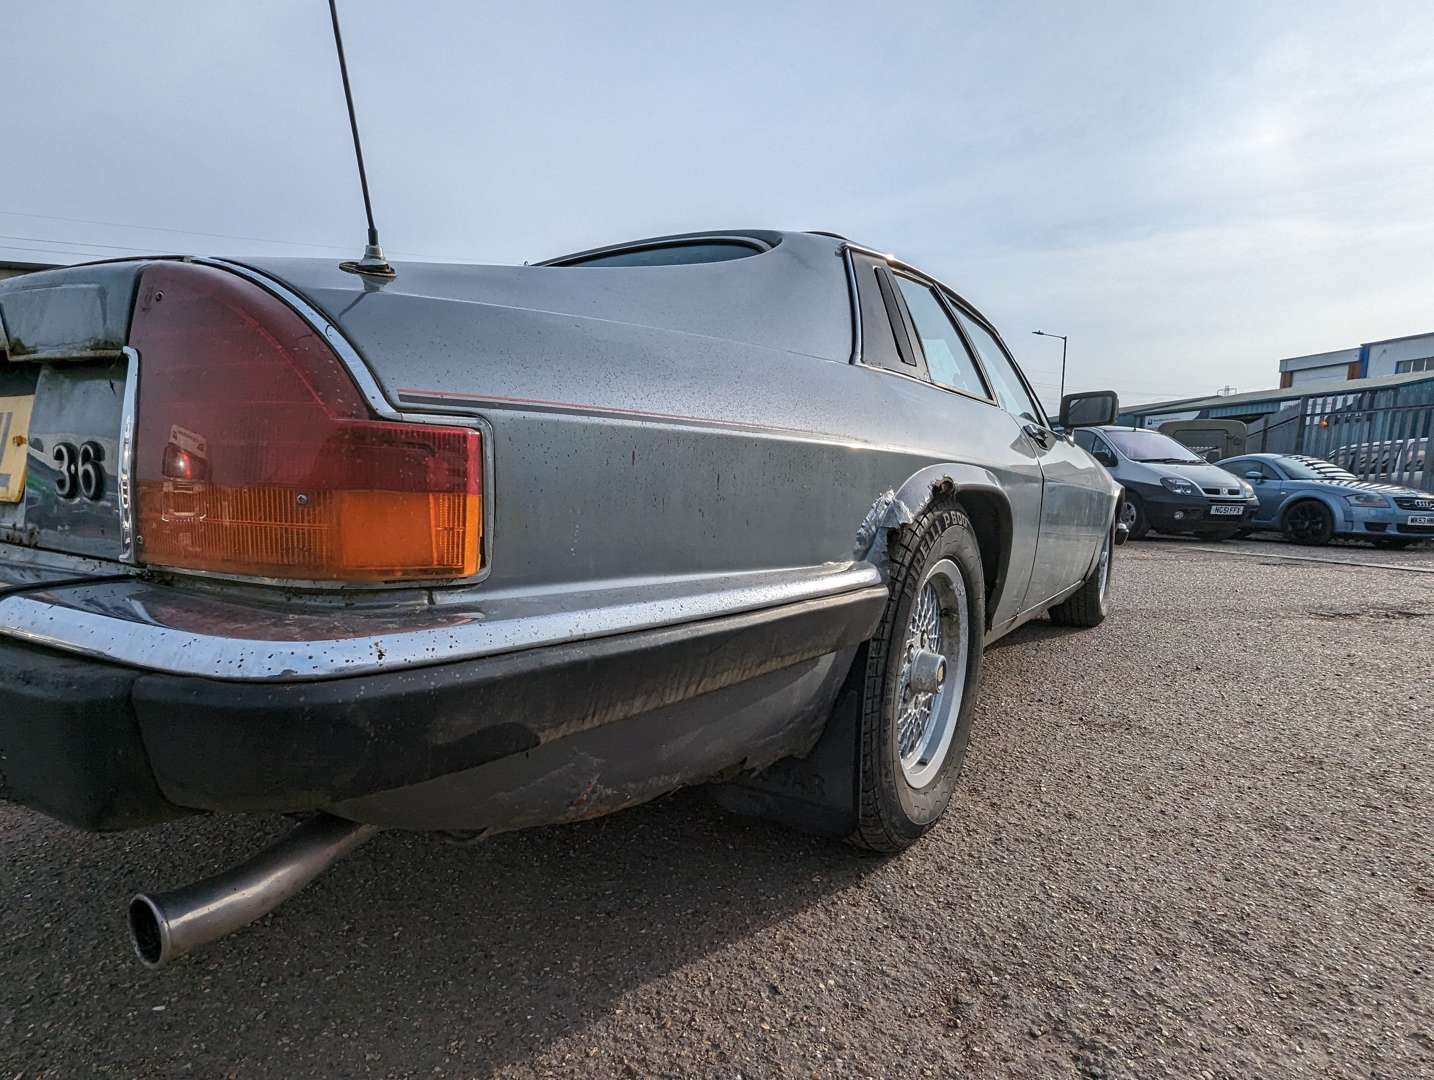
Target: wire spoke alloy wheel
{"points": [[1127, 514], [932, 680]]}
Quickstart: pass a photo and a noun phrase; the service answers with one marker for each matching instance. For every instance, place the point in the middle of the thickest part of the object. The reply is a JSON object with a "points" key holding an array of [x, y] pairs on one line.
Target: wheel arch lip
{"points": [[1328, 501], [905, 504]]}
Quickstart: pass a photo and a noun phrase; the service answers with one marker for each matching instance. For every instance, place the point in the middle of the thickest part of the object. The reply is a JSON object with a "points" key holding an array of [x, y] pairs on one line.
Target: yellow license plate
{"points": [[14, 445]]}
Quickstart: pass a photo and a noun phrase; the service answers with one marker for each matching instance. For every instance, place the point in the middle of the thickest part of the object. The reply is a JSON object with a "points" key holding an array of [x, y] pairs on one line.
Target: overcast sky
{"points": [[1189, 191]]}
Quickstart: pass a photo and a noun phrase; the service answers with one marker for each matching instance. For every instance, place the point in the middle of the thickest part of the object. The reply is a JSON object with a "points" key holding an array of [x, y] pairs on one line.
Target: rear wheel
{"points": [[923, 666], [1309, 522], [1132, 516], [1088, 606]]}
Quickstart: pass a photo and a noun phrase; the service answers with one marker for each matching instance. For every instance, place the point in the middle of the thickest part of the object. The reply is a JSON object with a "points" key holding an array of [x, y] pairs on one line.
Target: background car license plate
{"points": [[1421, 519], [1227, 511], [14, 428]]}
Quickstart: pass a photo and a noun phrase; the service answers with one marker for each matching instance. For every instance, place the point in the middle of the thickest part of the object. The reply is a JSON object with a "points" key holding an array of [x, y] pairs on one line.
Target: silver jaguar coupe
{"points": [[475, 548]]}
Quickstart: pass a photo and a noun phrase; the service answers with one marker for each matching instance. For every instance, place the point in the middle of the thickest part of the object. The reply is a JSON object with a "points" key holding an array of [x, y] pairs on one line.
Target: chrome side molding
{"points": [[160, 628], [124, 471]]}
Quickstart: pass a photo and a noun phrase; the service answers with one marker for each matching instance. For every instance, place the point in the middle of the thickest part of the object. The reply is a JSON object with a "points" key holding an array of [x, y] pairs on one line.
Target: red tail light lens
{"points": [[255, 454]]}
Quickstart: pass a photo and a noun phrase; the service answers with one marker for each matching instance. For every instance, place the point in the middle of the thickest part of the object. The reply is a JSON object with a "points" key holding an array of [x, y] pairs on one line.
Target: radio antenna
{"points": [[373, 263]]}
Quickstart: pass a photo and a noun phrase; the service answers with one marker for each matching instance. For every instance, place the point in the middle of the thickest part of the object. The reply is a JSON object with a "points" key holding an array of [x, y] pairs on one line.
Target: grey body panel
{"points": [[56, 314], [651, 428], [1075, 508], [792, 298], [593, 772], [603, 384], [666, 445]]}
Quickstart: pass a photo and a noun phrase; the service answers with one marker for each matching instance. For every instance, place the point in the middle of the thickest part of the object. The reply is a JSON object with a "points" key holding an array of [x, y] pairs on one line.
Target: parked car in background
{"points": [[1312, 501], [1168, 488], [1391, 461], [479, 548]]}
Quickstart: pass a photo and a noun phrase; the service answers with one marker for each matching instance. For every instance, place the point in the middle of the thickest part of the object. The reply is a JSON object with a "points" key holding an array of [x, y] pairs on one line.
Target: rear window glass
{"points": [[669, 255], [1307, 468]]}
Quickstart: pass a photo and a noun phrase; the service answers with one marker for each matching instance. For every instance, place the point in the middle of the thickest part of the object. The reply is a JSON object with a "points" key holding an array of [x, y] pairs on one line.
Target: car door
{"points": [[1270, 487], [979, 430], [1075, 506]]}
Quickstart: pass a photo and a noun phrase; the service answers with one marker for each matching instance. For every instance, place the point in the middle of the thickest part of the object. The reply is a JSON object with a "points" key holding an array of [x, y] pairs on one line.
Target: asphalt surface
{"points": [[1194, 842]]}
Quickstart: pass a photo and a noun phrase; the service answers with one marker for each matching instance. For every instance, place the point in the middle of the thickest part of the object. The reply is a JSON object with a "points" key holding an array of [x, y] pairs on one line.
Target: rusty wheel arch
{"points": [[967, 487]]}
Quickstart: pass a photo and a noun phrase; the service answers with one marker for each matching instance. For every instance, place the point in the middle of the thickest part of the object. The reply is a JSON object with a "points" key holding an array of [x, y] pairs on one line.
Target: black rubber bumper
{"points": [[104, 747], [70, 745]]}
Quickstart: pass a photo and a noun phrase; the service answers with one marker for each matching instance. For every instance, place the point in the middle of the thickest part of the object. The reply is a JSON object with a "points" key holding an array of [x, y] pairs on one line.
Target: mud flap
{"points": [[816, 793]]}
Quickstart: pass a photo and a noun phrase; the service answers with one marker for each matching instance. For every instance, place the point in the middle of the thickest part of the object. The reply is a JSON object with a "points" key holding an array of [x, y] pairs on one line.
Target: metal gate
{"points": [[1373, 434]]}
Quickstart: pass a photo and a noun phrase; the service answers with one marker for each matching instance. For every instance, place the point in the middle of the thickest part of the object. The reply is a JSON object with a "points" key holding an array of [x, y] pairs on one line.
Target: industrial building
{"points": [[1401, 366], [1411, 387], [1392, 356], [1378, 427]]}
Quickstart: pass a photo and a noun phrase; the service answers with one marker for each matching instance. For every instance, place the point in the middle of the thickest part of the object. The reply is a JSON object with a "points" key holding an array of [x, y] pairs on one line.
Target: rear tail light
{"points": [[255, 454]]}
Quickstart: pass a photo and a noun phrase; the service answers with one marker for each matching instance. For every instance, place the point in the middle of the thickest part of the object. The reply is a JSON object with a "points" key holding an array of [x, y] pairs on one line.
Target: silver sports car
{"points": [[477, 548]]}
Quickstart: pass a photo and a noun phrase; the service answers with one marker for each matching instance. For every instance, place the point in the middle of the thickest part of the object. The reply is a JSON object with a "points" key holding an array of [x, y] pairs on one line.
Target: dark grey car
{"points": [[1168, 487], [479, 548]]}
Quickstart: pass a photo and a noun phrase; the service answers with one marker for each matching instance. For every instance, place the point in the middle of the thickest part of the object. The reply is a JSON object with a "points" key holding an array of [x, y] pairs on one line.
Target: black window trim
{"points": [[1098, 437], [989, 398], [872, 325], [957, 305], [900, 321], [1097, 440], [757, 245], [858, 339], [951, 298]]}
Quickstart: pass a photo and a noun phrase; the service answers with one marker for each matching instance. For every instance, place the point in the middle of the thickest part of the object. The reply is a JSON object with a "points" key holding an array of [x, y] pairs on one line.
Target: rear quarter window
{"points": [[878, 337]]}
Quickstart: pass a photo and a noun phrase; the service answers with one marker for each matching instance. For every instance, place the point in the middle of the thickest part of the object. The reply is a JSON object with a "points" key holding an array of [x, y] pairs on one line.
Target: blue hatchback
{"points": [[1312, 501]]}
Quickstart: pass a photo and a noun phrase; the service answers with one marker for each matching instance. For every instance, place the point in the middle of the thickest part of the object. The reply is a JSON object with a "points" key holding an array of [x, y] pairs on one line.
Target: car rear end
{"points": [[135, 503], [233, 576], [244, 449]]}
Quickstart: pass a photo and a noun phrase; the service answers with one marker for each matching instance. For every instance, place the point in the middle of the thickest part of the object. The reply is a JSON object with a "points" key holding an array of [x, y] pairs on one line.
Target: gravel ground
{"points": [[1195, 842]]}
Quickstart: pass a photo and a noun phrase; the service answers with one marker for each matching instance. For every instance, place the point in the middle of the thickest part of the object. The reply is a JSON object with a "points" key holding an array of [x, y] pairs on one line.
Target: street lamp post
{"points": [[1042, 333]]}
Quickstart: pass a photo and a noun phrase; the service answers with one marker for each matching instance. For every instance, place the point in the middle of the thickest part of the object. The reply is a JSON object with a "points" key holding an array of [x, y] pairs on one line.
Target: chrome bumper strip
{"points": [[165, 629]]}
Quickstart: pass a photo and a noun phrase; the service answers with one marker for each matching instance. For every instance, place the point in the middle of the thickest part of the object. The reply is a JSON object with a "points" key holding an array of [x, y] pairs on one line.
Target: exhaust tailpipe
{"points": [[169, 925]]}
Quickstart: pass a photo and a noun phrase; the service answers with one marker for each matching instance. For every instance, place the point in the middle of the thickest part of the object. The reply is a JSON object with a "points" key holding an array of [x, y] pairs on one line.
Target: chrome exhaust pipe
{"points": [[168, 925]]}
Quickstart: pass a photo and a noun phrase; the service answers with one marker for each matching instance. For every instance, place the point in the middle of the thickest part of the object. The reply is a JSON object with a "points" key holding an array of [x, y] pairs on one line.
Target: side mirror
{"points": [[1255, 475], [1105, 457], [1089, 410]]}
